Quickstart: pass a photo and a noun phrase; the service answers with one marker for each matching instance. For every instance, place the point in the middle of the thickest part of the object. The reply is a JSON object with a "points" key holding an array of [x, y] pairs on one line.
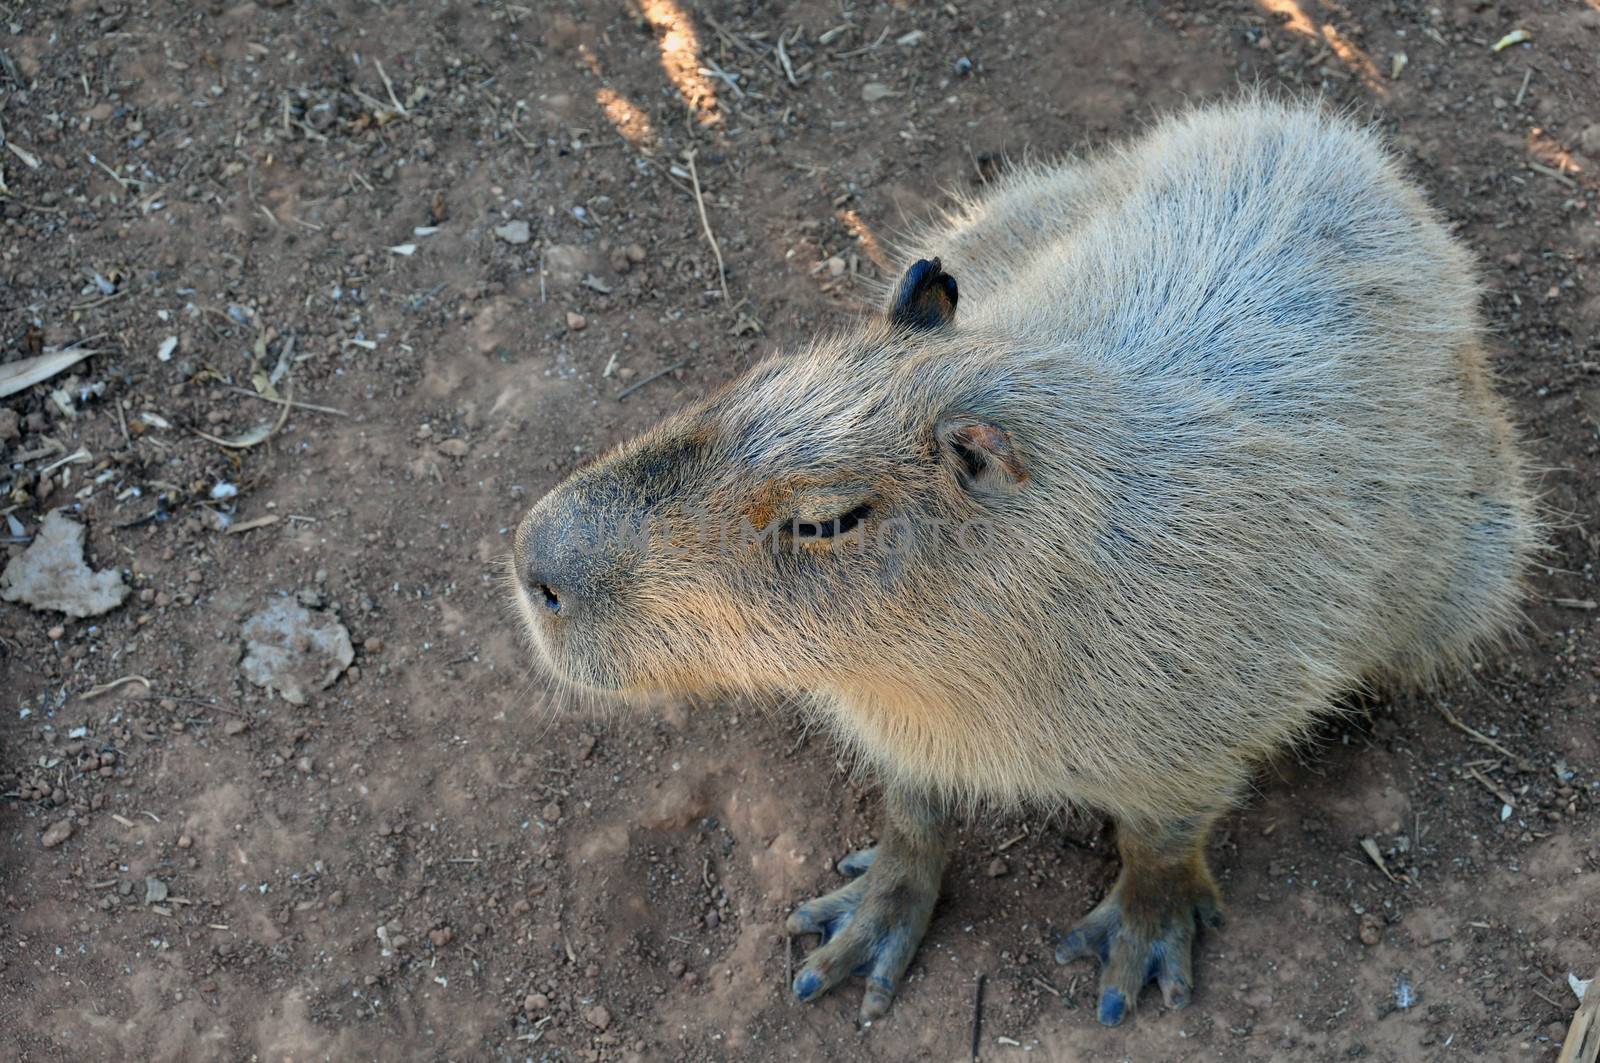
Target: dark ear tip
{"points": [[926, 297]]}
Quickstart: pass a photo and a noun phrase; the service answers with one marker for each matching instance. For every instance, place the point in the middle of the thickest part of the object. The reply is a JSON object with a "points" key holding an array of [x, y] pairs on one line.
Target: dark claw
{"points": [[1113, 1006], [857, 862], [807, 984]]}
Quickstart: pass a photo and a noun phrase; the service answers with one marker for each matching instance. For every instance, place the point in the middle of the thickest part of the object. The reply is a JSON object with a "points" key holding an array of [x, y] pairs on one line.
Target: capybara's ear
{"points": [[982, 454], [926, 298]]}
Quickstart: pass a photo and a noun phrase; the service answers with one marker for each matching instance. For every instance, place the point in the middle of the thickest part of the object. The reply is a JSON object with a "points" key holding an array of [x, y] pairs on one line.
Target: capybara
{"points": [[1209, 441]]}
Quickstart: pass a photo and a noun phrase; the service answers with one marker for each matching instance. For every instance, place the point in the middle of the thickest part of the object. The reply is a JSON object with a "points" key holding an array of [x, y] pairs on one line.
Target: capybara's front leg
{"points": [[1144, 930], [873, 925]]}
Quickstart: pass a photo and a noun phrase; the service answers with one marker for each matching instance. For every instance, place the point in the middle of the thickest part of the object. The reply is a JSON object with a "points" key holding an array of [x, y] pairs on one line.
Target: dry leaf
{"points": [[19, 375]]}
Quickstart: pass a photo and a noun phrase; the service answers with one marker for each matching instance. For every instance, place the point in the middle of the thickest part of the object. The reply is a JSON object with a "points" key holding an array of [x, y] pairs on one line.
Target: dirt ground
{"points": [[468, 233]]}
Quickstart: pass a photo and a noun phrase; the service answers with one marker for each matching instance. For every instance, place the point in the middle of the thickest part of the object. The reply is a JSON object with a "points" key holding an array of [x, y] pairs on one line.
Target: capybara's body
{"points": [[1209, 442]]}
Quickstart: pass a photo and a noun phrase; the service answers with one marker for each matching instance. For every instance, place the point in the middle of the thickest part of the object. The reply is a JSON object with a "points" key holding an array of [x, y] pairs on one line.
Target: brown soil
{"points": [[585, 885]]}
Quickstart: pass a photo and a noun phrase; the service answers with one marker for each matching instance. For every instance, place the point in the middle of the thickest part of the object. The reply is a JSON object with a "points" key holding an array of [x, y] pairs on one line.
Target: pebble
{"points": [[997, 867], [10, 425], [514, 232], [1589, 139], [536, 1002], [155, 891], [184, 841], [1371, 928], [56, 833], [454, 448], [57, 633], [576, 321], [441, 937], [597, 1016], [551, 812], [373, 645], [676, 968]]}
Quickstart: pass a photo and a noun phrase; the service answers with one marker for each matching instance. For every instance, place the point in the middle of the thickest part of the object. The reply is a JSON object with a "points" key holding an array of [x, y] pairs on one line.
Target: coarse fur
{"points": [[1241, 369], [1163, 453]]}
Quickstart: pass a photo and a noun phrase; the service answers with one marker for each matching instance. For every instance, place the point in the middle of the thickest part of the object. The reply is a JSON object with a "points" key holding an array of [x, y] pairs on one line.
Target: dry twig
{"points": [[1522, 763], [705, 223], [1583, 1034], [636, 385]]}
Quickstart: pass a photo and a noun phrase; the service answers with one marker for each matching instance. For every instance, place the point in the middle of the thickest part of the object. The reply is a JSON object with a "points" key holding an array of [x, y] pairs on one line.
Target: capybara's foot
{"points": [[870, 926], [1144, 930]]}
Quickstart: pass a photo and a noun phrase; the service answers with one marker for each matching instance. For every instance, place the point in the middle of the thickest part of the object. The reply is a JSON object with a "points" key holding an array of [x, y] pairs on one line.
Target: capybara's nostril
{"points": [[541, 583]]}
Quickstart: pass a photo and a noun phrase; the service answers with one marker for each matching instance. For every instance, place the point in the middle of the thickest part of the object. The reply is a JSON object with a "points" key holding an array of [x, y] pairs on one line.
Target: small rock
{"points": [[52, 574], [10, 425], [56, 833], [713, 919], [997, 868], [441, 937], [551, 812], [676, 968], [454, 448], [597, 1016], [576, 321], [57, 633], [373, 644], [155, 891], [836, 267], [235, 726], [1371, 928], [184, 841], [873, 91], [514, 232], [635, 253], [536, 1002], [1589, 140]]}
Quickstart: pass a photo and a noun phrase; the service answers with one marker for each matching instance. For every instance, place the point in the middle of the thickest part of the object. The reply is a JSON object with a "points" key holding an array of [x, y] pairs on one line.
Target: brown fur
{"points": [[1244, 456]]}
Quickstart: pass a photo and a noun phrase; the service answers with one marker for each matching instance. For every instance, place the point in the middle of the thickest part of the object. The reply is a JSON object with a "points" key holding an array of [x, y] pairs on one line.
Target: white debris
{"points": [[514, 232], [52, 574], [294, 651]]}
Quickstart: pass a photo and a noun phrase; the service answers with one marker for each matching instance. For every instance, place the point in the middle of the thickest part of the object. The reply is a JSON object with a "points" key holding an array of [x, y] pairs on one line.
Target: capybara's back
{"points": [[1210, 442], [1266, 294]]}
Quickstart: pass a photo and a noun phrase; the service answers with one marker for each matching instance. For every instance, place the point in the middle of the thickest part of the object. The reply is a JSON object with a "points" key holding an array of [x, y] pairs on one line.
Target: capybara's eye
{"points": [[827, 529]]}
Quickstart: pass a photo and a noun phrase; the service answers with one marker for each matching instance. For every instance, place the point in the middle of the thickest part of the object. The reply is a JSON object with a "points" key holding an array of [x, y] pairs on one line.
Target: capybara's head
{"points": [[829, 514]]}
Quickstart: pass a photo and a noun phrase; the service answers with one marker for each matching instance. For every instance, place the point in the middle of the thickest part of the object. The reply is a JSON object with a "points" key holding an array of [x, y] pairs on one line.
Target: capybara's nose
{"points": [[562, 561], [553, 572]]}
